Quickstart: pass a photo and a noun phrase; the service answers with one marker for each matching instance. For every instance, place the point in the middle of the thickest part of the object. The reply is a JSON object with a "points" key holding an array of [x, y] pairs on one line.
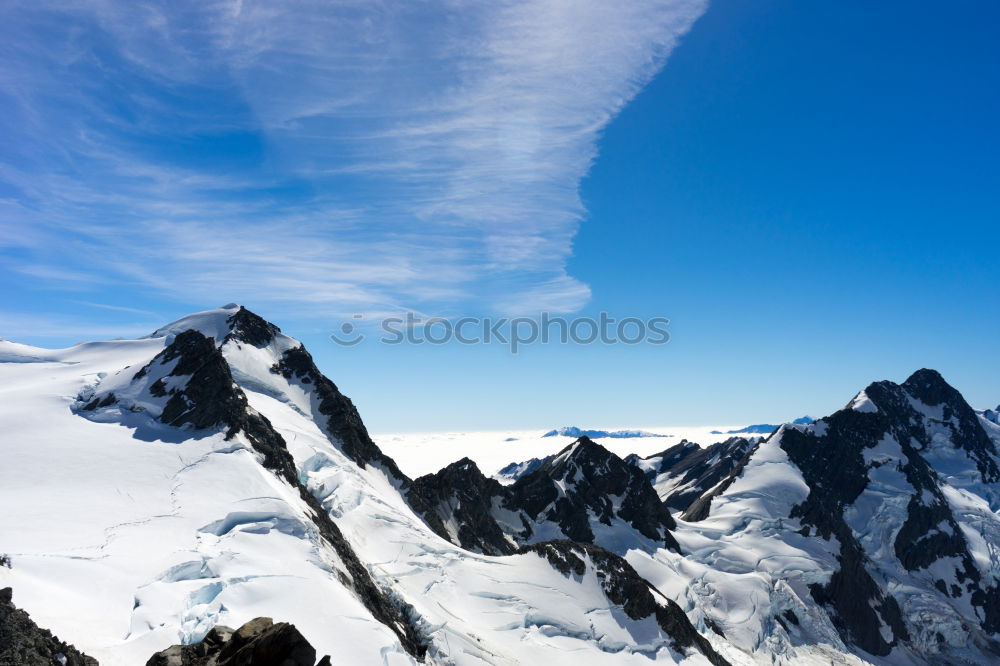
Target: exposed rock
{"points": [[684, 472], [461, 494], [992, 415], [909, 426], [209, 398], [259, 642], [586, 479], [929, 387], [583, 483], [23, 643], [624, 587], [245, 326], [836, 471], [699, 508], [343, 423]]}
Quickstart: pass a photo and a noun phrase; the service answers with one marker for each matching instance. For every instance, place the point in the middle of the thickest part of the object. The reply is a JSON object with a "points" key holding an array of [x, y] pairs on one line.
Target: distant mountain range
{"points": [[572, 431], [158, 490], [762, 428]]}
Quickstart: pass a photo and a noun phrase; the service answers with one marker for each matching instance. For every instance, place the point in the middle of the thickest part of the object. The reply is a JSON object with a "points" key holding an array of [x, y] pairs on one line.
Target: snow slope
{"points": [[210, 474], [129, 538], [127, 535]]}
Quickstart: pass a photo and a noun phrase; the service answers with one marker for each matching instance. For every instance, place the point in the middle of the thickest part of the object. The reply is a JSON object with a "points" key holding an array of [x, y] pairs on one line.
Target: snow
{"points": [[138, 536], [862, 403], [877, 514], [211, 323], [127, 536], [425, 453], [746, 562], [119, 546]]}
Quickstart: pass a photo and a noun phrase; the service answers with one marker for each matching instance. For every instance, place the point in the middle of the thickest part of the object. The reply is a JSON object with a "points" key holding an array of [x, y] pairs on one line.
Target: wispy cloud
{"points": [[365, 155], [120, 308]]}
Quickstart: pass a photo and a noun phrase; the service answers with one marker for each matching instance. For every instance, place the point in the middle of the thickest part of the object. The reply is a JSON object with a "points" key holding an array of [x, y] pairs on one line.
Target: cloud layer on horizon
{"points": [[344, 157]]}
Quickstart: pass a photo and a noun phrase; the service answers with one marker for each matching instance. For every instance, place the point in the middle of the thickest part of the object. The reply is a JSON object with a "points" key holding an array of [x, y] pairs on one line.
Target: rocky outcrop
{"points": [[343, 423], [585, 480], [577, 491], [461, 496], [193, 376], [625, 588], [23, 643], [920, 415], [684, 472], [879, 475], [250, 328], [259, 642], [700, 507], [930, 388]]}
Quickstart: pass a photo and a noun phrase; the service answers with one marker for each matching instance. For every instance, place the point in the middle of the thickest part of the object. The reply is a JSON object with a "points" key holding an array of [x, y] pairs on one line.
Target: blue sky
{"points": [[809, 191]]}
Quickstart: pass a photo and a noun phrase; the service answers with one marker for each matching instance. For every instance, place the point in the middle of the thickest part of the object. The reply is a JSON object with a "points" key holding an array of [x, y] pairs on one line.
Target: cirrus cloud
{"points": [[338, 156]]}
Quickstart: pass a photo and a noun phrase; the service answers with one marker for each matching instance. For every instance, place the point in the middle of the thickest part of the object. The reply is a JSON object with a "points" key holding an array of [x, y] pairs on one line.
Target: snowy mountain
{"points": [[585, 493], [762, 428], [992, 415], [158, 490], [684, 472], [209, 475], [883, 517], [515, 470]]}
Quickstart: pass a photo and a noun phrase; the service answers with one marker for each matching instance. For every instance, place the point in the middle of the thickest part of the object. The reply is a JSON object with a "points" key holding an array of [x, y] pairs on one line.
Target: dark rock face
{"points": [[259, 642], [693, 470], [343, 421], [930, 388], [596, 482], [208, 399], [211, 399], [925, 417], [245, 326], [462, 493], [23, 643], [835, 469], [837, 474], [624, 587], [270, 444], [582, 483], [700, 507]]}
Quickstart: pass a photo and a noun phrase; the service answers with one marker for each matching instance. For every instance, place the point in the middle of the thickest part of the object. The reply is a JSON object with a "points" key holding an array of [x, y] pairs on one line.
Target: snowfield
{"points": [[127, 539], [127, 535]]}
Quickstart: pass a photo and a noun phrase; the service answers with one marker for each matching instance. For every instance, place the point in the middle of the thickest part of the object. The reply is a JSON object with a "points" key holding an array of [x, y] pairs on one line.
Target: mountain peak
{"points": [[230, 322], [251, 328], [583, 449], [930, 387]]}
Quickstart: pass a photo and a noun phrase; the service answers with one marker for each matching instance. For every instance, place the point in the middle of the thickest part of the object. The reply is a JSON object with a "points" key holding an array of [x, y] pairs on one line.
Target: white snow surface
{"points": [[125, 540], [127, 536], [862, 403]]}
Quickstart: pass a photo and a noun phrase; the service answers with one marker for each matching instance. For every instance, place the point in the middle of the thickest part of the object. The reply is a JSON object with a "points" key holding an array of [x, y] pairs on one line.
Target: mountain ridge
{"points": [[862, 537]]}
